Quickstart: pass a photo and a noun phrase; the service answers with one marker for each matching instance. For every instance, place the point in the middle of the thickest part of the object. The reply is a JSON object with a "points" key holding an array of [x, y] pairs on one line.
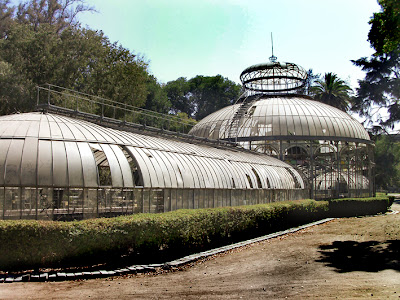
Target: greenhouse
{"points": [[327, 145], [82, 156], [61, 168]]}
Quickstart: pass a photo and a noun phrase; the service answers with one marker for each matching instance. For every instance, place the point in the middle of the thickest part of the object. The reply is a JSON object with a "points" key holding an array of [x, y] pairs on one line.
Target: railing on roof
{"points": [[52, 95], [110, 113]]}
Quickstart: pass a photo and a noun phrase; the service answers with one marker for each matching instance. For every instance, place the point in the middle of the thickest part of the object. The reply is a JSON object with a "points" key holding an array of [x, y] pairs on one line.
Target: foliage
{"points": [[14, 90], [43, 43], [387, 160], [6, 17], [309, 82], [332, 90], [59, 14], [381, 86], [157, 99], [184, 125], [350, 207], [384, 34], [26, 244], [212, 93], [178, 93], [201, 95]]}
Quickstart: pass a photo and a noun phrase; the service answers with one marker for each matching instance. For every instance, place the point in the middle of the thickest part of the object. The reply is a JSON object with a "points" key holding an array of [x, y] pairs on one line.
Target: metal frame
{"points": [[273, 77], [50, 169], [271, 118]]}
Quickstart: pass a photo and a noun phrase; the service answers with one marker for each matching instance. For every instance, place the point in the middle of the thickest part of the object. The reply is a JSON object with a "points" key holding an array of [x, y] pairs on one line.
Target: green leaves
{"points": [[384, 34], [201, 95], [28, 244], [332, 91], [380, 90], [43, 43], [387, 160]]}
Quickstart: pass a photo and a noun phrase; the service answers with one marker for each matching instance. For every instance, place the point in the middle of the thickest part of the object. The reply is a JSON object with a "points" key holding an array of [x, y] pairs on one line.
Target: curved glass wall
{"points": [[55, 167]]}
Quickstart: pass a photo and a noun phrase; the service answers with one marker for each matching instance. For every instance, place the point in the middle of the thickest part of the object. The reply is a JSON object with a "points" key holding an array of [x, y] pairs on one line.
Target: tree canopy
{"points": [[384, 35], [201, 95], [41, 41], [332, 90], [387, 159], [380, 88]]}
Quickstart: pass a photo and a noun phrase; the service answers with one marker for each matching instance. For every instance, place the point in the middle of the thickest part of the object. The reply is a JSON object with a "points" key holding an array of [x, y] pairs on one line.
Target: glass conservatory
{"points": [[330, 148], [61, 168]]}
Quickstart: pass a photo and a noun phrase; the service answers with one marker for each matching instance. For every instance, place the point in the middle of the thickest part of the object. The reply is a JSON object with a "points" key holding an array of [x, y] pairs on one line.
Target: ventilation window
{"points": [[249, 180], [104, 175], [137, 178], [297, 184], [233, 183], [259, 185], [268, 183], [103, 167]]}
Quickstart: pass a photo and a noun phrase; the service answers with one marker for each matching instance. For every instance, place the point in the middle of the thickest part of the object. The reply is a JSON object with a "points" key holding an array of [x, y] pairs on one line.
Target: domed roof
{"points": [[281, 118]]}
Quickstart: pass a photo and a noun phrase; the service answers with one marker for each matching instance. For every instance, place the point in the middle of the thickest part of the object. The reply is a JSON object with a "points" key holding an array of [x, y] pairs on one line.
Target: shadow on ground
{"points": [[371, 256]]}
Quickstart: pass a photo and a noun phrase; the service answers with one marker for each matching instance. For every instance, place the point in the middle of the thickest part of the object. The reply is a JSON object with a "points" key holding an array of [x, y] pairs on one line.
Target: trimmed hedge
{"points": [[352, 207], [27, 244]]}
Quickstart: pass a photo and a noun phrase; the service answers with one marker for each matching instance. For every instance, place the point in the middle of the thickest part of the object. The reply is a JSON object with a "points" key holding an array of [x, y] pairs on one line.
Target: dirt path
{"points": [[343, 259]]}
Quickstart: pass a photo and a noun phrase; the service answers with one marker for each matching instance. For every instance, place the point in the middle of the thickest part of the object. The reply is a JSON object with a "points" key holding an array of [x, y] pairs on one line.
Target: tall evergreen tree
{"points": [[380, 88]]}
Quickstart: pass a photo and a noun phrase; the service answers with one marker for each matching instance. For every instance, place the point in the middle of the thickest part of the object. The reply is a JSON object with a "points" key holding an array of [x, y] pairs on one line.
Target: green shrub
{"points": [[351, 207], [37, 244], [29, 244]]}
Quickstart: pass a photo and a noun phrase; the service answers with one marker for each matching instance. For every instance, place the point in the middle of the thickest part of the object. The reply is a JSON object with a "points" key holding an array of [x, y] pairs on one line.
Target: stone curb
{"points": [[135, 269]]}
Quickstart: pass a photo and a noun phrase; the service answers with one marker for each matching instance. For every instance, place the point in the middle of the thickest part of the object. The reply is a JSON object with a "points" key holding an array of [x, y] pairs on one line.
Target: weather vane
{"points": [[272, 58]]}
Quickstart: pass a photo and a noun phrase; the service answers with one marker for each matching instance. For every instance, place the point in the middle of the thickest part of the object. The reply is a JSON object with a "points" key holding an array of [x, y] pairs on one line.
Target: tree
{"points": [[210, 94], [384, 34], [38, 51], [59, 13], [333, 91], [380, 88], [178, 93], [14, 91], [201, 95], [157, 99], [387, 160], [309, 82], [115, 73], [6, 17]]}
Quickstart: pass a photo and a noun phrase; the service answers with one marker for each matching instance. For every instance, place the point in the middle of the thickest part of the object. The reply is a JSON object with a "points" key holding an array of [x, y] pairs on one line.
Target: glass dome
{"points": [[285, 117], [315, 138]]}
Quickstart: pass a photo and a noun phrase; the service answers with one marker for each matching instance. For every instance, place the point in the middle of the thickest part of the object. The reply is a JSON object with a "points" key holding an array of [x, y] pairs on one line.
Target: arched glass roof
{"points": [[281, 118], [47, 150]]}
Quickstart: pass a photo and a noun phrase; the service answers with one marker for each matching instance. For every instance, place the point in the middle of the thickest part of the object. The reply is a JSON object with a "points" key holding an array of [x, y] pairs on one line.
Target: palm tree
{"points": [[332, 91]]}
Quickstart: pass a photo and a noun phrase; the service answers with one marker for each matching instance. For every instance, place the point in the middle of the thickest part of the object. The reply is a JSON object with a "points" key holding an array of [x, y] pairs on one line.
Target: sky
{"points": [[186, 38]]}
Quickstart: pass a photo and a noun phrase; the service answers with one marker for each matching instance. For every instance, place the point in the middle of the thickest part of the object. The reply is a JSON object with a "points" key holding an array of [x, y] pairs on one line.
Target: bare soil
{"points": [[349, 258]]}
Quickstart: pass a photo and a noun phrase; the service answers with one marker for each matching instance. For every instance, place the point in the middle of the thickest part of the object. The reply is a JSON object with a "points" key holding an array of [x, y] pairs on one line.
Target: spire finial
{"points": [[272, 58]]}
